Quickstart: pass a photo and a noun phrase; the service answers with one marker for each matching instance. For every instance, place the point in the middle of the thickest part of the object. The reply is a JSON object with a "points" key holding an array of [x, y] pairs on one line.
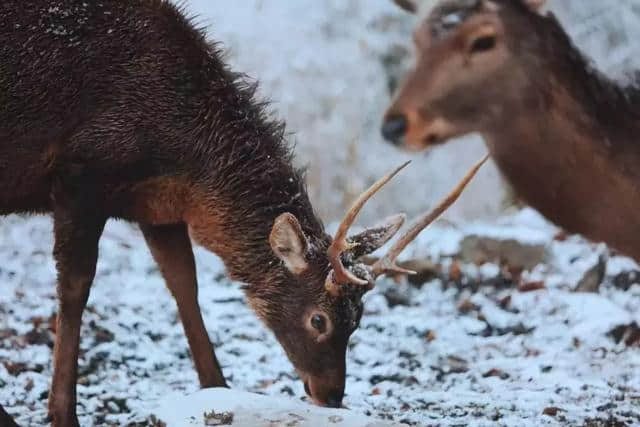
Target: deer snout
{"points": [[414, 132], [325, 392], [394, 128]]}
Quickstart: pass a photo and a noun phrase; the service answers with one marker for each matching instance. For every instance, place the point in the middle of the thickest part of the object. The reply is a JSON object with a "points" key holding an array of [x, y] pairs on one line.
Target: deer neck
{"points": [[572, 160], [232, 211], [565, 113], [570, 116]]}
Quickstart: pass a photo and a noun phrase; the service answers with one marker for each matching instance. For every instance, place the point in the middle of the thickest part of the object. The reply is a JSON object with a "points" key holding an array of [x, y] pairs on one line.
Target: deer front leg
{"points": [[77, 231], [171, 249], [5, 419]]}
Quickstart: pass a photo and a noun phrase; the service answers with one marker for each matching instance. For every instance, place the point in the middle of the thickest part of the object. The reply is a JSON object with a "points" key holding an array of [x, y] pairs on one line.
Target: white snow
{"points": [[253, 410]]}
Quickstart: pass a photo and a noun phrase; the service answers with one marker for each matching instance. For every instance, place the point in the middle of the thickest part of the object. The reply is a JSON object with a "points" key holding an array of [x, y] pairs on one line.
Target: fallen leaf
{"points": [[430, 335], [455, 272], [552, 411], [531, 286]]}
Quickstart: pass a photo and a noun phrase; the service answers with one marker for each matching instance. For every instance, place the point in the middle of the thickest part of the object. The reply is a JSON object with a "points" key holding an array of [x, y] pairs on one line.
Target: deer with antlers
{"points": [[566, 137], [118, 109]]}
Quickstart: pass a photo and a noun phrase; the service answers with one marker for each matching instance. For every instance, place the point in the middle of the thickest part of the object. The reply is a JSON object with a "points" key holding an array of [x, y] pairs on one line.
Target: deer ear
{"points": [[289, 243], [534, 5], [374, 237]]}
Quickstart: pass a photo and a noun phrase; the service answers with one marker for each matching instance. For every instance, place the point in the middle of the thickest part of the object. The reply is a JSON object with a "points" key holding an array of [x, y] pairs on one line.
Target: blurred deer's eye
{"points": [[319, 323]]}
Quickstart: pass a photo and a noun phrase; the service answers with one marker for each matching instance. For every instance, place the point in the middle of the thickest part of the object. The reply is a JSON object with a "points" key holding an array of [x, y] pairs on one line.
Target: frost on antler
{"points": [[345, 251], [340, 275]]}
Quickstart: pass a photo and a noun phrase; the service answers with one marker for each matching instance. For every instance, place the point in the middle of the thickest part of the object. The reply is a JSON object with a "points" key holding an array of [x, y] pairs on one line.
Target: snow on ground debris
{"points": [[221, 406], [465, 348]]}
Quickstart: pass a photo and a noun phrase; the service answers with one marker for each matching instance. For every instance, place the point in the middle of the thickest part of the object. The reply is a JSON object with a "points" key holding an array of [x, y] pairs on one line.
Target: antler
{"points": [[340, 275], [387, 264]]}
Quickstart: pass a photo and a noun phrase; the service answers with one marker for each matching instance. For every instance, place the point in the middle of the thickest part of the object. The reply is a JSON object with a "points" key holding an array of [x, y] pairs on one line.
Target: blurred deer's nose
{"points": [[394, 128]]}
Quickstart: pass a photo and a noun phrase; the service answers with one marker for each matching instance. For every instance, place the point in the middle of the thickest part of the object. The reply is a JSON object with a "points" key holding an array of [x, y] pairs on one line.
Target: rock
{"points": [[612, 421], [496, 373], [425, 271], [593, 277], [626, 279], [629, 334], [396, 297], [520, 255], [218, 418], [243, 409], [467, 306]]}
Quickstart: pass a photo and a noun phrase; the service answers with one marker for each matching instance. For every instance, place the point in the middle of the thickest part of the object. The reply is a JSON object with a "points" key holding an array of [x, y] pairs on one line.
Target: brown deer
{"points": [[117, 109], [566, 137]]}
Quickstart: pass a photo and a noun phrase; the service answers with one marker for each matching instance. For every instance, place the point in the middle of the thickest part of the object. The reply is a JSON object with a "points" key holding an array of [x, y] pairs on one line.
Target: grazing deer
{"points": [[566, 137], [117, 109]]}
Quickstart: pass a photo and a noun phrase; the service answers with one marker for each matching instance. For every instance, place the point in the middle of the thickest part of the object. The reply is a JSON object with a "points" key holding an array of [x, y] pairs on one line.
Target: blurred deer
{"points": [[565, 136], [117, 109]]}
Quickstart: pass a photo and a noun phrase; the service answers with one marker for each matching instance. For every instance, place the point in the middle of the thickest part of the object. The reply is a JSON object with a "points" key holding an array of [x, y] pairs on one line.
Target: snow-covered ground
{"points": [[466, 347]]}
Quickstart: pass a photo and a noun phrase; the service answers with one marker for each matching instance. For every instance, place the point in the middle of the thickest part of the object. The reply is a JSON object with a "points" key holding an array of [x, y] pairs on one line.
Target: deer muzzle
{"points": [[325, 390], [412, 131]]}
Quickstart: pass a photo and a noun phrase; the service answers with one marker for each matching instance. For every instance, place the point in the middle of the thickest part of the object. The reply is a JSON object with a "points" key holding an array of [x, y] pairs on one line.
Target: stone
{"points": [[515, 254]]}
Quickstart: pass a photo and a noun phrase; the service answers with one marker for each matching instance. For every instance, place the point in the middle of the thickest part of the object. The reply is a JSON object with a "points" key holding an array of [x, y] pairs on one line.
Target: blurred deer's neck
{"points": [[568, 113], [565, 103], [571, 147]]}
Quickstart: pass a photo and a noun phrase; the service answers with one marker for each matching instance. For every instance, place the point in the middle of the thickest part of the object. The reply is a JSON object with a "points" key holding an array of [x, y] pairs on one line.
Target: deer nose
{"points": [[394, 128], [331, 398]]}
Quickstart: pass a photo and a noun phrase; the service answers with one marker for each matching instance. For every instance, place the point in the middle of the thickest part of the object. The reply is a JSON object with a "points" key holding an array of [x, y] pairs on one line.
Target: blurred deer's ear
{"points": [[534, 5], [374, 237], [289, 243]]}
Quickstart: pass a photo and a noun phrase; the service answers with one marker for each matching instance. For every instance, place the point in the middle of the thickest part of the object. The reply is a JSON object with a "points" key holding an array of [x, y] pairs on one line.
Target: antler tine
{"points": [[340, 274], [387, 264]]}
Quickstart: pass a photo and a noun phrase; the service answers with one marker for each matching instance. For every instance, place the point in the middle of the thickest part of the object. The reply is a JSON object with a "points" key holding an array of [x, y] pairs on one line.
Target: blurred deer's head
{"points": [[315, 304], [470, 63]]}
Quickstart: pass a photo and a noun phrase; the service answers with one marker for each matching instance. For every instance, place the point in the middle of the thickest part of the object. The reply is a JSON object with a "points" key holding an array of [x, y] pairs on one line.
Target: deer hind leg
{"points": [[77, 229], [171, 249]]}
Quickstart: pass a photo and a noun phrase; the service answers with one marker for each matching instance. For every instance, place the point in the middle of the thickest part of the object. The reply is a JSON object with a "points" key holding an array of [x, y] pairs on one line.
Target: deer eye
{"points": [[319, 323], [483, 44]]}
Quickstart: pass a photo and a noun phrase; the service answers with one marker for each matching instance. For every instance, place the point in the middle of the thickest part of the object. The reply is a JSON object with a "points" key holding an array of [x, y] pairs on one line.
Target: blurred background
{"points": [[330, 68]]}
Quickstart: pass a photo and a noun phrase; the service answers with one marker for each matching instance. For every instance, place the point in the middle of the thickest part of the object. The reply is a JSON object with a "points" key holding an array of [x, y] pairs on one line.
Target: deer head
{"points": [[466, 51], [314, 318]]}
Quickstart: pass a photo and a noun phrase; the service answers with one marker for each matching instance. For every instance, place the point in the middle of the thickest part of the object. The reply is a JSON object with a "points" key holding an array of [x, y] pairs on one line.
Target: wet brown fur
{"points": [[565, 136], [119, 109]]}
